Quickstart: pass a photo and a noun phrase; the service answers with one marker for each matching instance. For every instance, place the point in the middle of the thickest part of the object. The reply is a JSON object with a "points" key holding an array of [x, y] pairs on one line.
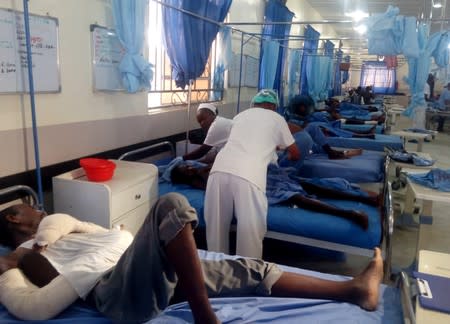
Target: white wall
{"points": [[77, 101], [79, 122]]}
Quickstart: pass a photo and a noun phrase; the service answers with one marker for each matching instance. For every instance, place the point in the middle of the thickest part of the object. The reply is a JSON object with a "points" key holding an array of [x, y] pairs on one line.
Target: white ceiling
{"points": [[353, 43]]}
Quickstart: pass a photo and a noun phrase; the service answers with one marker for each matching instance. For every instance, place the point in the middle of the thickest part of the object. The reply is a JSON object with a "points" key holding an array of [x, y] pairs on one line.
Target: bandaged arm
{"points": [[55, 226], [28, 302]]}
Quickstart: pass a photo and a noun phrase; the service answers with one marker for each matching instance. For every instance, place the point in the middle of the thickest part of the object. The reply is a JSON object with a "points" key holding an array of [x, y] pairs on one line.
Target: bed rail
{"points": [[149, 148], [407, 298], [388, 229], [20, 188], [388, 219]]}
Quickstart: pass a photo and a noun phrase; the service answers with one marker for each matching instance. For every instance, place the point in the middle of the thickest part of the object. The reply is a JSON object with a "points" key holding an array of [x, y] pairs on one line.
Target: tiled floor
{"points": [[404, 237]]}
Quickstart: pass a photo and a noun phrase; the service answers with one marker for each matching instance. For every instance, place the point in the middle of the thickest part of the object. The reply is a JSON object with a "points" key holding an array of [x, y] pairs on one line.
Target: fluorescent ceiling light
{"points": [[436, 3], [361, 29], [357, 15]]}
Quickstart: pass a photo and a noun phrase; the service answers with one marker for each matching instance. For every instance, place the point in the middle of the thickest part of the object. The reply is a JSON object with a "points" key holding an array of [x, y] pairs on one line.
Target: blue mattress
{"points": [[367, 167], [377, 144], [257, 309], [302, 222], [379, 129]]}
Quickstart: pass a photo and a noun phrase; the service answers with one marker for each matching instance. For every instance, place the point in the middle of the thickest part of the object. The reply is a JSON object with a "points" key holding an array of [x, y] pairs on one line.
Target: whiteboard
{"points": [[13, 53], [107, 52], [250, 71]]}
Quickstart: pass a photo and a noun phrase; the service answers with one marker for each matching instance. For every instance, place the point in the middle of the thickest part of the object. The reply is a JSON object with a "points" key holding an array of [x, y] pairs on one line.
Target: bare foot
{"points": [[353, 152], [374, 199], [360, 218], [336, 155], [367, 284]]}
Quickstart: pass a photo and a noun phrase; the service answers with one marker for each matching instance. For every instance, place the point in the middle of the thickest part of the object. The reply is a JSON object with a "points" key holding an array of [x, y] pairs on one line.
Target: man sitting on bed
{"points": [[283, 187], [133, 280]]}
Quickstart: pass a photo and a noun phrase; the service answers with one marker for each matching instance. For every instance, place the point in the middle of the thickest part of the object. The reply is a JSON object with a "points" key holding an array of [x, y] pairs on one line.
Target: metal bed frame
{"points": [[388, 221]]}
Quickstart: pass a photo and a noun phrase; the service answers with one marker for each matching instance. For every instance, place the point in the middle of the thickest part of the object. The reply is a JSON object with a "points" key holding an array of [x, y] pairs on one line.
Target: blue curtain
{"points": [[329, 51], [328, 48], [129, 21], [188, 39], [223, 59], [345, 74], [377, 75], [318, 74], [337, 74], [418, 68], [275, 11], [268, 75], [294, 72], [391, 34], [309, 48]]}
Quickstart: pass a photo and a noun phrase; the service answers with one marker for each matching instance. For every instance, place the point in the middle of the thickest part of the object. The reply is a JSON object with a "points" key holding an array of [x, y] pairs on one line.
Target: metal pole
{"points": [[240, 75], [191, 82], [33, 107]]}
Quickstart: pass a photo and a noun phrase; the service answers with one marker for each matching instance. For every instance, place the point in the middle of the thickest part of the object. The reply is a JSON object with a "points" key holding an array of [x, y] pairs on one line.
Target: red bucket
{"points": [[98, 169]]}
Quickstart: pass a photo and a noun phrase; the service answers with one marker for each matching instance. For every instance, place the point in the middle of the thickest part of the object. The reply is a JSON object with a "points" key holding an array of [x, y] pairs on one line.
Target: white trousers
{"points": [[419, 118], [225, 194]]}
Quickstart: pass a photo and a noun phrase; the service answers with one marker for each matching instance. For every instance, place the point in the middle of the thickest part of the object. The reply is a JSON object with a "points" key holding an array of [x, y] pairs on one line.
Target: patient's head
{"points": [[301, 106], [18, 224], [192, 176], [206, 114], [267, 99], [183, 173]]}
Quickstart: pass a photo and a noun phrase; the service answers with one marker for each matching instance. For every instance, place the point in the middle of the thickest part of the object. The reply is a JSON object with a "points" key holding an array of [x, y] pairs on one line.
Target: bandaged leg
{"points": [[28, 302]]}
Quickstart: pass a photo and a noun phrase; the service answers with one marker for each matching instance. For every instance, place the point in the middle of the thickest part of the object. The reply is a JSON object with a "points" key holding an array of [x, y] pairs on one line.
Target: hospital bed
{"points": [[301, 226], [378, 144], [369, 167], [252, 309], [379, 129]]}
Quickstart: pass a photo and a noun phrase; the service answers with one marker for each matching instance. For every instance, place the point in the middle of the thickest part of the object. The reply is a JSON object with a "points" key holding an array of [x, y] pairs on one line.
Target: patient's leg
{"points": [[358, 217], [182, 253], [339, 155], [313, 189], [369, 136], [362, 290]]}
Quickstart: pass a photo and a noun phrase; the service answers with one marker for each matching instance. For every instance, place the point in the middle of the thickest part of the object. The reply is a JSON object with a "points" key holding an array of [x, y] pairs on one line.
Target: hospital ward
{"points": [[225, 161]]}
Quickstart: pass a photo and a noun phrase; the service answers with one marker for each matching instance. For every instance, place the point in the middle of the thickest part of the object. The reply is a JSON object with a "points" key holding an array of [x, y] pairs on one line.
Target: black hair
{"points": [[300, 107], [5, 234], [177, 176]]}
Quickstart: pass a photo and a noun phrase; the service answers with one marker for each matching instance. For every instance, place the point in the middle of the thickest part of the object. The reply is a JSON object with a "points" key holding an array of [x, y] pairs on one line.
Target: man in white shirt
{"points": [[217, 130], [426, 92], [139, 278], [237, 182]]}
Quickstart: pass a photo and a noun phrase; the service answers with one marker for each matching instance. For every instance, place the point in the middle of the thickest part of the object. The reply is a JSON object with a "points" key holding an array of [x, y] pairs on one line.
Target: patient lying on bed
{"points": [[283, 187], [133, 280]]}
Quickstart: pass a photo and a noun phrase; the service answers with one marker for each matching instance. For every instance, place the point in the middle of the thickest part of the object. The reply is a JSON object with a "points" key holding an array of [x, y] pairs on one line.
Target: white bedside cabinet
{"points": [[125, 200]]}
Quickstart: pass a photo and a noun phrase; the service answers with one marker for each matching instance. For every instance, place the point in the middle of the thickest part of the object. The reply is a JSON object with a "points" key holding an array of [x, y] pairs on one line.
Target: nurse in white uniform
{"points": [[237, 181], [217, 130]]}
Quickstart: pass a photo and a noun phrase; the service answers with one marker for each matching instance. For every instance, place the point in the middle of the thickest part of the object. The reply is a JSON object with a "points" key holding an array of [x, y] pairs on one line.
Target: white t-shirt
{"points": [[82, 258], [426, 90], [253, 140], [218, 132], [445, 96]]}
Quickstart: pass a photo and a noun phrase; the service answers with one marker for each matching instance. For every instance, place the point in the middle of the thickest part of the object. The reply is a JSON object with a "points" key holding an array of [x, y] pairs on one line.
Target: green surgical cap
{"points": [[266, 95]]}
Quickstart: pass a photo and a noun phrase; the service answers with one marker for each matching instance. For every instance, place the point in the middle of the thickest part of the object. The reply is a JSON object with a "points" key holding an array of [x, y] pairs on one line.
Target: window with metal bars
{"points": [[164, 92]]}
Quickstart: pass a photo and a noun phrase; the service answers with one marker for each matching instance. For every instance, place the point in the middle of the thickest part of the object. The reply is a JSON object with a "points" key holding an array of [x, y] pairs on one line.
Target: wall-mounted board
{"points": [[107, 52], [13, 53]]}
